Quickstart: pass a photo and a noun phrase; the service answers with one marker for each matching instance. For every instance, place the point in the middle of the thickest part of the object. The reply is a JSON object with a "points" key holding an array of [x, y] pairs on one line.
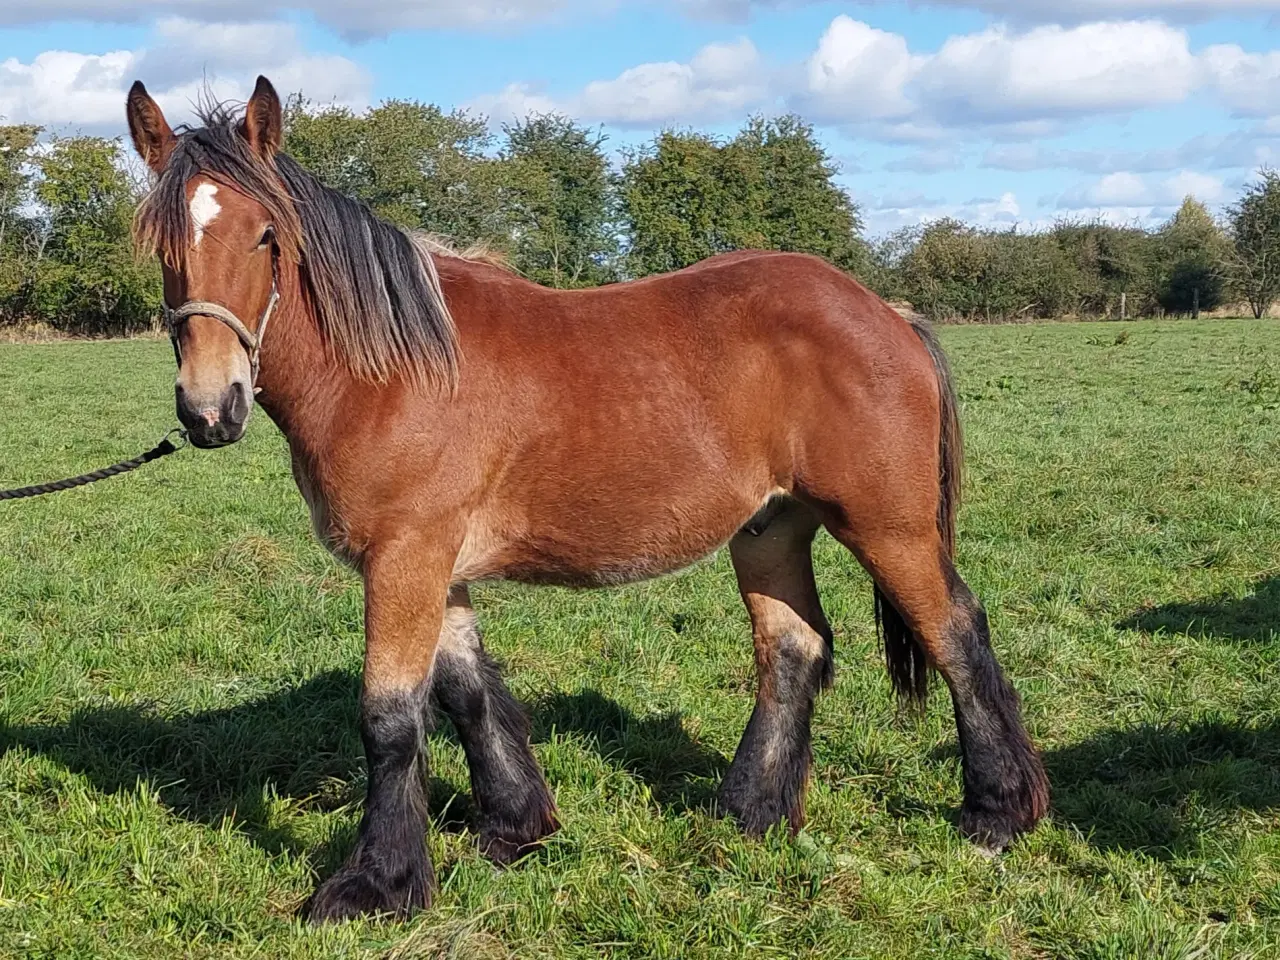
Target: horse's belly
{"points": [[600, 547]]}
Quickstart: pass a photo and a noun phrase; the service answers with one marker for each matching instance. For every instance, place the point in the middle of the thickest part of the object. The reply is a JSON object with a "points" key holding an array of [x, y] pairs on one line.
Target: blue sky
{"points": [[997, 111]]}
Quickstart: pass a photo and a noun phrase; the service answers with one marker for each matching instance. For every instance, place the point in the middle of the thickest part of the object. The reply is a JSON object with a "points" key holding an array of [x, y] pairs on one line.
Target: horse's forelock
{"points": [[215, 149]]}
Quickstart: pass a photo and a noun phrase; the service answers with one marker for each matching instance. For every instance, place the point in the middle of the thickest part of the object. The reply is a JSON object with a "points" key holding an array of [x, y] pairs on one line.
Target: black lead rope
{"points": [[174, 441]]}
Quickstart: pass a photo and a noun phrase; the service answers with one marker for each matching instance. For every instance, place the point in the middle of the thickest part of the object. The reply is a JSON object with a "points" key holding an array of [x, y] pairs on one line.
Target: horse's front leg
{"points": [[516, 809], [389, 872]]}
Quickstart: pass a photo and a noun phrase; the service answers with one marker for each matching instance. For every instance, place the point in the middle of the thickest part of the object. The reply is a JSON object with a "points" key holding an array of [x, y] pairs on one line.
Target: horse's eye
{"points": [[268, 236]]}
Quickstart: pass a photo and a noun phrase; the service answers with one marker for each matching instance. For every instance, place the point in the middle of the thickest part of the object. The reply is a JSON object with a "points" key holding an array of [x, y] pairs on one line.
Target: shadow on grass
{"points": [[303, 744], [1150, 789], [1252, 618], [681, 773], [1157, 789]]}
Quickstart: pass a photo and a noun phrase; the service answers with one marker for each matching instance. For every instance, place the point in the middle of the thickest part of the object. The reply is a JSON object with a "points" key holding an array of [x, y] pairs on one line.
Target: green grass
{"points": [[179, 758]]}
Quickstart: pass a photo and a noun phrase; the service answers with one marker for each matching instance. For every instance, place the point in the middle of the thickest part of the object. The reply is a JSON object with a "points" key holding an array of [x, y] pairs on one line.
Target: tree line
{"points": [[949, 270], [545, 194]]}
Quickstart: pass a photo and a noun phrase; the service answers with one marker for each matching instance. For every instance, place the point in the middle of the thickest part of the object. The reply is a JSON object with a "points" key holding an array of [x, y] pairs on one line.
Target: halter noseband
{"points": [[174, 317]]}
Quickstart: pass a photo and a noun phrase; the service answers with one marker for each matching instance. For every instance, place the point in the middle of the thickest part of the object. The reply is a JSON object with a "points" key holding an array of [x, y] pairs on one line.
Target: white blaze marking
{"points": [[204, 209]]}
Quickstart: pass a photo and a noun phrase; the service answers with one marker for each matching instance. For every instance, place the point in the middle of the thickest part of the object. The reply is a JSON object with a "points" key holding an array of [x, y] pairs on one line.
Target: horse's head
{"points": [[220, 220]]}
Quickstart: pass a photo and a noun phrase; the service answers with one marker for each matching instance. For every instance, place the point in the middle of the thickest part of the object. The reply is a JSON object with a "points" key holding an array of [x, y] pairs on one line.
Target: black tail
{"points": [[904, 655]]}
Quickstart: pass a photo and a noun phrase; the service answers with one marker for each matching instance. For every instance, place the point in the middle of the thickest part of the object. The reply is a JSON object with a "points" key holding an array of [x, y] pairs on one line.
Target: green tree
{"points": [[941, 269], [411, 162], [687, 196], [956, 271], [17, 226], [559, 202], [680, 203], [1252, 261], [1190, 252], [1105, 263], [1031, 276], [794, 200], [950, 270], [885, 267], [16, 145], [87, 279]]}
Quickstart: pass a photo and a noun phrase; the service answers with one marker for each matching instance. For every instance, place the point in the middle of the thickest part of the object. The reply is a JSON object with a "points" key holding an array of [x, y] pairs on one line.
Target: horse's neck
{"points": [[301, 383]]}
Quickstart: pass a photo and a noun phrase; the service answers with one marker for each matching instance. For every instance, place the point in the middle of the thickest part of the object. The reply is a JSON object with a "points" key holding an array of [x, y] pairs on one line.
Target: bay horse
{"points": [[450, 422]]}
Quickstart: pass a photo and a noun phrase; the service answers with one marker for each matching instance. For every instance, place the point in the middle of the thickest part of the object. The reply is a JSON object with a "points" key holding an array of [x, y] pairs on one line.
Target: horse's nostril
{"points": [[235, 405]]}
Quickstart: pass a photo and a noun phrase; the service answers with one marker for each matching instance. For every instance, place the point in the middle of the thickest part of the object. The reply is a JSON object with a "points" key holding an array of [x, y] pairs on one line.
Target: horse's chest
{"points": [[325, 520]]}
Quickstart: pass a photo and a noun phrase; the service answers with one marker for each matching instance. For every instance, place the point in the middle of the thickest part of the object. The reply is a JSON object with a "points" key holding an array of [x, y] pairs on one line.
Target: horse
{"points": [[450, 422]]}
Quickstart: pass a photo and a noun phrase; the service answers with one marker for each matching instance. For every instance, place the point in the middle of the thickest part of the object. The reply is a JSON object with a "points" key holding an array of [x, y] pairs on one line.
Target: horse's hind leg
{"points": [[516, 809], [932, 617], [770, 771]]}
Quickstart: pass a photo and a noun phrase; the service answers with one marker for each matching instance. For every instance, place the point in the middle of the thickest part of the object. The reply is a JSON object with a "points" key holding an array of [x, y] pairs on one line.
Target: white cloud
{"points": [[66, 90], [1190, 183], [179, 48], [1124, 190], [1026, 11], [1240, 149], [377, 17], [722, 81], [859, 73], [369, 17], [1120, 189], [1022, 157], [1123, 199], [890, 212], [515, 101], [1005, 209], [1008, 85], [1079, 11], [1248, 83], [1051, 72], [1012, 85], [899, 202]]}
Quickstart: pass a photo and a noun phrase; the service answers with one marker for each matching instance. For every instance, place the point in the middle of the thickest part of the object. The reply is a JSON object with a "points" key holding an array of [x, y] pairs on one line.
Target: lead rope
{"points": [[252, 344], [174, 441]]}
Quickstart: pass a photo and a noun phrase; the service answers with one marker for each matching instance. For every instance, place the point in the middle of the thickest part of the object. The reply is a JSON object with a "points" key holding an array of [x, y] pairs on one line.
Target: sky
{"points": [[1000, 112]]}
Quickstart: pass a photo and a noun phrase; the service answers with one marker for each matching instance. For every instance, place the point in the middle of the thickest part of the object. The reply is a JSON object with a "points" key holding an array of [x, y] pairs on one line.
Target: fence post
{"points": [[1195, 304], [1123, 312]]}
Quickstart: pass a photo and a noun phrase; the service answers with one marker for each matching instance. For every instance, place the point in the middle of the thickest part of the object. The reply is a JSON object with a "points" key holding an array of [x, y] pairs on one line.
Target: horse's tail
{"points": [[904, 655]]}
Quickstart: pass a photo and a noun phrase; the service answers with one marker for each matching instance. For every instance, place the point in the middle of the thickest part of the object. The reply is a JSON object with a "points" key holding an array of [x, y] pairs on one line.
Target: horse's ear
{"points": [[152, 137], [263, 124]]}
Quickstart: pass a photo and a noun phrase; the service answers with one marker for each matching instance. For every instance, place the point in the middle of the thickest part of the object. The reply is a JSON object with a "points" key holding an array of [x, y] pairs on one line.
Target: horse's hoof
{"points": [[352, 893], [757, 811], [504, 843], [993, 831], [995, 822]]}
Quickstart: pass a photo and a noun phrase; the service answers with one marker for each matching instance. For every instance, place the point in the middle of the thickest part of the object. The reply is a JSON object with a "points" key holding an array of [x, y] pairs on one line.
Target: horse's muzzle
{"points": [[214, 421]]}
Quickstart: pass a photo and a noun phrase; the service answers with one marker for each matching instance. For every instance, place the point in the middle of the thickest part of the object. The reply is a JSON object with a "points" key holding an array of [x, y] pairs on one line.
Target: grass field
{"points": [[179, 756]]}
